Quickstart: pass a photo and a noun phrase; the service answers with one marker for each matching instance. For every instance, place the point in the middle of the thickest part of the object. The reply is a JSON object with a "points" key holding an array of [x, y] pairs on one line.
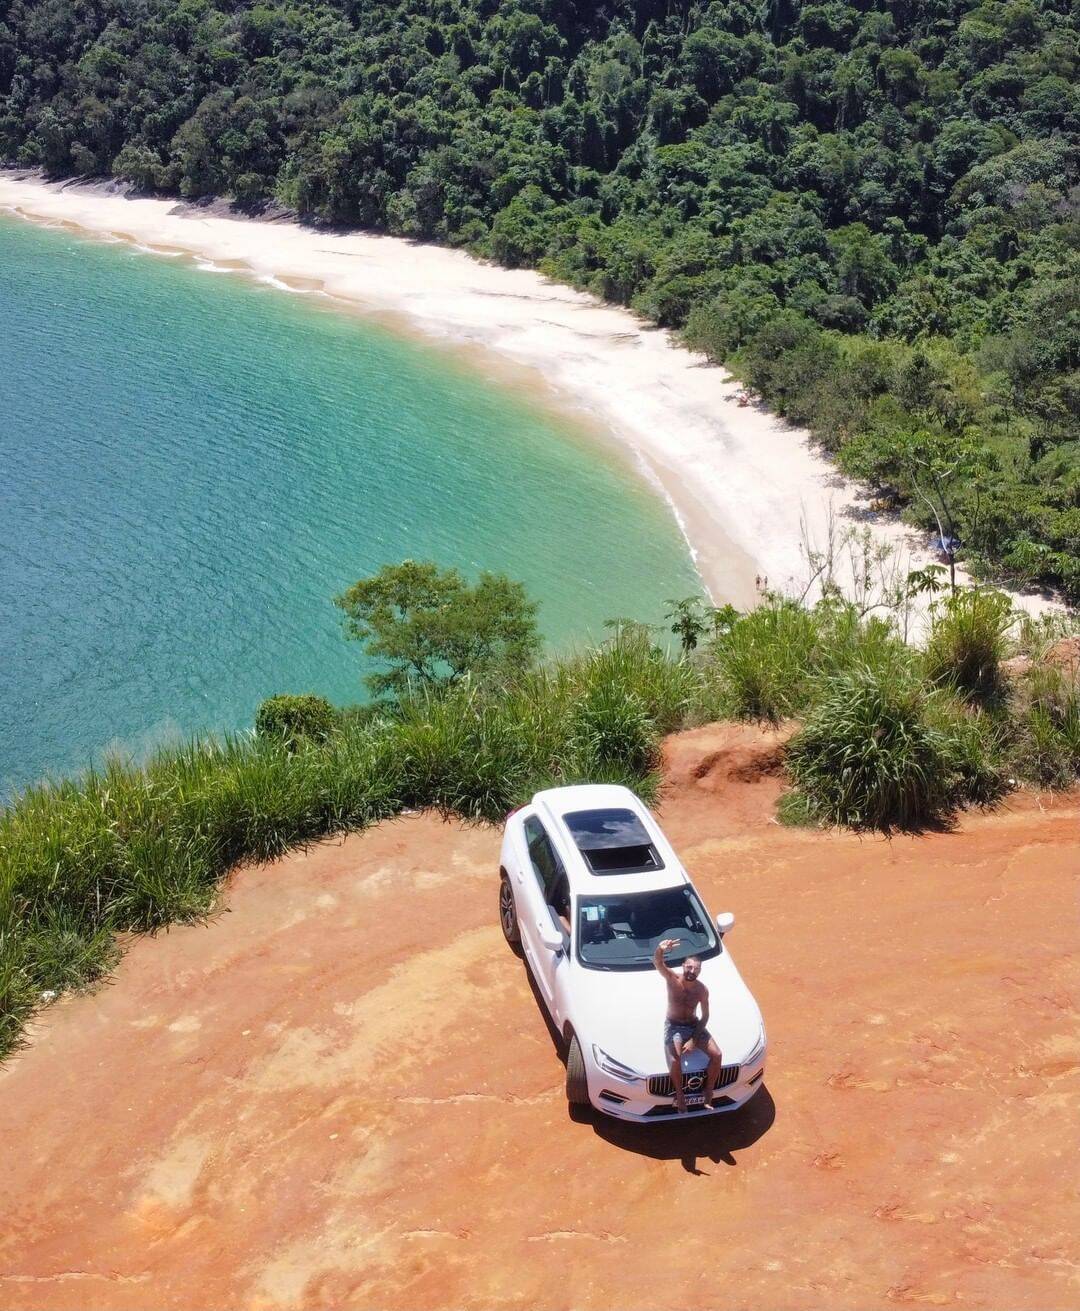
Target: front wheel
{"points": [[508, 913], [577, 1085]]}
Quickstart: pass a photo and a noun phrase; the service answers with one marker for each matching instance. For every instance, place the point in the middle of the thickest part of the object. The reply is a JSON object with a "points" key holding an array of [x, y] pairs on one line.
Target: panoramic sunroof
{"points": [[613, 841]]}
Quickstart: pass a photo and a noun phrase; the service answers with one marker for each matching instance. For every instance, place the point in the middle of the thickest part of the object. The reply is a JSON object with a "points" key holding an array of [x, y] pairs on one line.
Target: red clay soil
{"points": [[341, 1091]]}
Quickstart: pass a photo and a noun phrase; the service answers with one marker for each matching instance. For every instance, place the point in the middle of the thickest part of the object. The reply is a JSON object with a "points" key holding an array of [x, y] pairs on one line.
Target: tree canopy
{"points": [[870, 210], [431, 627]]}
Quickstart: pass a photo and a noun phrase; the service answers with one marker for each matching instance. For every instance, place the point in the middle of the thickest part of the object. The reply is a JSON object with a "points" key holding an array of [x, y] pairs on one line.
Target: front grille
{"points": [[660, 1085]]}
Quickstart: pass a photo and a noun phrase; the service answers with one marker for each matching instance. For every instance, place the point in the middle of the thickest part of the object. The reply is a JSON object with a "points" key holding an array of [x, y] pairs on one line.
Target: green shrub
{"points": [[763, 665], [294, 718], [769, 663], [968, 639], [867, 757], [1046, 710], [462, 753], [665, 687], [63, 953], [973, 751], [613, 727], [18, 997]]}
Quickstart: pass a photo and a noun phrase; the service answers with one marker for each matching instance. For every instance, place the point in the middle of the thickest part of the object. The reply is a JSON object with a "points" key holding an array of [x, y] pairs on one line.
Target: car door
{"points": [[547, 888], [528, 890]]}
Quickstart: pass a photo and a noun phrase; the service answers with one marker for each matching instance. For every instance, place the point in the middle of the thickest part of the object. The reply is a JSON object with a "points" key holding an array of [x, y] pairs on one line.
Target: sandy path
{"points": [[748, 491], [238, 1120]]}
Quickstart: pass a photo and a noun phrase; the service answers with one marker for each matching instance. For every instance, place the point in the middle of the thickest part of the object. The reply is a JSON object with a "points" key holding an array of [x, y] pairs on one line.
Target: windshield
{"points": [[622, 932]]}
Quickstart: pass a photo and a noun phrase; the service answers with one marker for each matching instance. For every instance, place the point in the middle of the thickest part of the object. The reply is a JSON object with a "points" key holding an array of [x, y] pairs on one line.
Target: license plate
{"points": [[695, 1099]]}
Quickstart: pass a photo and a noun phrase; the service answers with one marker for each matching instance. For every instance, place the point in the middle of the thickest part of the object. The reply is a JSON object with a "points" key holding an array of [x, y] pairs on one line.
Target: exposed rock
{"points": [[1065, 655]]}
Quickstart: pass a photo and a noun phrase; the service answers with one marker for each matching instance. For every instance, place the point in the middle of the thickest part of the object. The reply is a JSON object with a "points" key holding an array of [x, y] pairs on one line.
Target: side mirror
{"points": [[725, 922], [550, 937]]}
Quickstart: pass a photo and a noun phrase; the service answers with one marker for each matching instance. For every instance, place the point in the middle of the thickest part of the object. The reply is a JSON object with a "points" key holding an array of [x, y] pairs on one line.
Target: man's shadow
{"points": [[714, 1137]]}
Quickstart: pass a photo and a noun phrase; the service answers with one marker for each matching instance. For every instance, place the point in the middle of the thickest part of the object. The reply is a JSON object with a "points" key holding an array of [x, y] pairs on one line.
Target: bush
{"points": [[763, 665], [612, 727], [768, 665], [968, 639], [791, 362], [1046, 711], [867, 756], [293, 718], [63, 953], [973, 749]]}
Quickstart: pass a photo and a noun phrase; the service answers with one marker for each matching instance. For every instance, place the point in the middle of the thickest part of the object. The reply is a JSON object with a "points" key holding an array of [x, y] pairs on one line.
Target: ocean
{"points": [[193, 465]]}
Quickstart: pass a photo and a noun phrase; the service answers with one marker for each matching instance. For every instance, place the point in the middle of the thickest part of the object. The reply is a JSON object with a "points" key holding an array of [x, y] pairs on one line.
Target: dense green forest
{"points": [[870, 210]]}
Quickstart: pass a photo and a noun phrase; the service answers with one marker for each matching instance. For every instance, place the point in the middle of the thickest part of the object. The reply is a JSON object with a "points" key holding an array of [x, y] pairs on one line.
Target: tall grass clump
{"points": [[1046, 725], [761, 668], [769, 664], [666, 688], [295, 718], [974, 745], [868, 755], [968, 639]]}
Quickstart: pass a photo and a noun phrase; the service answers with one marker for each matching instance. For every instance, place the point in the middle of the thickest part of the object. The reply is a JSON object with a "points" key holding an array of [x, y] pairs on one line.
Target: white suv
{"points": [[588, 887]]}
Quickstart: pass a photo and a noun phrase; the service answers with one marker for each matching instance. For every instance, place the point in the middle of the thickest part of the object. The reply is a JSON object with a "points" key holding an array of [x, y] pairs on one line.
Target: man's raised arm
{"points": [[658, 956]]}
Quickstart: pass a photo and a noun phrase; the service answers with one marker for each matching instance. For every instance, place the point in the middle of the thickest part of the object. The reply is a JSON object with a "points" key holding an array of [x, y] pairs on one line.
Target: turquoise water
{"points": [[192, 466]]}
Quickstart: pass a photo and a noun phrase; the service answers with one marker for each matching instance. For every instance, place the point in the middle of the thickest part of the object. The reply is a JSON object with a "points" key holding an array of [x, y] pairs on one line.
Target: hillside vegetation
{"points": [[892, 737], [870, 210]]}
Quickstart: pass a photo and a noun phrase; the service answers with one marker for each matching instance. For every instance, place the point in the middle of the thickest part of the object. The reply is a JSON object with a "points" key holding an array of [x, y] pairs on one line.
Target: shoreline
{"points": [[748, 492]]}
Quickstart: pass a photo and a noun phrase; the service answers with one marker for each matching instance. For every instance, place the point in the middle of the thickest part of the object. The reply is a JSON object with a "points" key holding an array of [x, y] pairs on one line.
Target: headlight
{"points": [[759, 1047], [615, 1068]]}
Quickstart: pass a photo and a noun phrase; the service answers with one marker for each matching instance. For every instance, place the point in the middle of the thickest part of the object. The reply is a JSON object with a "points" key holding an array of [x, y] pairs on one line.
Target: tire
{"points": [[508, 914], [577, 1085]]}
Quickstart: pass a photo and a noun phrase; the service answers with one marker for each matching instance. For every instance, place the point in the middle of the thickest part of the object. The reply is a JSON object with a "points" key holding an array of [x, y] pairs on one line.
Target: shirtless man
{"points": [[683, 1031]]}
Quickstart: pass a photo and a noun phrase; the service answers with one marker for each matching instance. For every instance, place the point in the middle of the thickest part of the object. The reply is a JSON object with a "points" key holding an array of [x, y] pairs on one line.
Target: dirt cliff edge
{"points": [[340, 1092]]}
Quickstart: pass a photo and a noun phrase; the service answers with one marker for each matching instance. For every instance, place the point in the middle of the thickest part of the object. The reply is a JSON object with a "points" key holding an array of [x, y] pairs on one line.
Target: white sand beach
{"points": [[749, 491]]}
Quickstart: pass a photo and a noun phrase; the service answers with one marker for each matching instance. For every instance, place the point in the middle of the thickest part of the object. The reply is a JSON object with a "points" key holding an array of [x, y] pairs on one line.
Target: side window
{"points": [[545, 863], [560, 897]]}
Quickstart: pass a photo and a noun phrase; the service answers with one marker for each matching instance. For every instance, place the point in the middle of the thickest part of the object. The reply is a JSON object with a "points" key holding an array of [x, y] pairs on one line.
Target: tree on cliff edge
{"points": [[431, 627]]}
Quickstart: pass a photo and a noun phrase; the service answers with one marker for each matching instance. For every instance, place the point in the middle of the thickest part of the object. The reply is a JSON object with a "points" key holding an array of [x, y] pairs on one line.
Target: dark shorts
{"points": [[684, 1032]]}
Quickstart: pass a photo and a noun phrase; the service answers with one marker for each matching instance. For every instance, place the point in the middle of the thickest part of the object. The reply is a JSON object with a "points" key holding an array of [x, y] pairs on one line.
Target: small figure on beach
{"points": [[684, 1030]]}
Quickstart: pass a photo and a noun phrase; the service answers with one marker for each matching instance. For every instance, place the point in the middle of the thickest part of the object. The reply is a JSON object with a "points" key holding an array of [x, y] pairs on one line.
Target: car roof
{"points": [[554, 804]]}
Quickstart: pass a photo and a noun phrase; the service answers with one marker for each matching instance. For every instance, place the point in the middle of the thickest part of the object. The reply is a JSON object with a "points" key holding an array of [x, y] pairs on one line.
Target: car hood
{"points": [[623, 1012]]}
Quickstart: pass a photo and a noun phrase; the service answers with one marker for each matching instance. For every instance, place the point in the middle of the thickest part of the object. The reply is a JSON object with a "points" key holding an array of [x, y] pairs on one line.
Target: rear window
{"points": [[613, 841]]}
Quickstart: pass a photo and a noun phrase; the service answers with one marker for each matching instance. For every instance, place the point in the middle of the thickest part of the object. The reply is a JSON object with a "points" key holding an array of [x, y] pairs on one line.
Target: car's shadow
{"points": [[714, 1138], [704, 1138]]}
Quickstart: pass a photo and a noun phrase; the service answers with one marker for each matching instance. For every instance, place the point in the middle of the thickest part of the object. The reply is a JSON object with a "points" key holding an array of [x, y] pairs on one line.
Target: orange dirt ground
{"points": [[341, 1091]]}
